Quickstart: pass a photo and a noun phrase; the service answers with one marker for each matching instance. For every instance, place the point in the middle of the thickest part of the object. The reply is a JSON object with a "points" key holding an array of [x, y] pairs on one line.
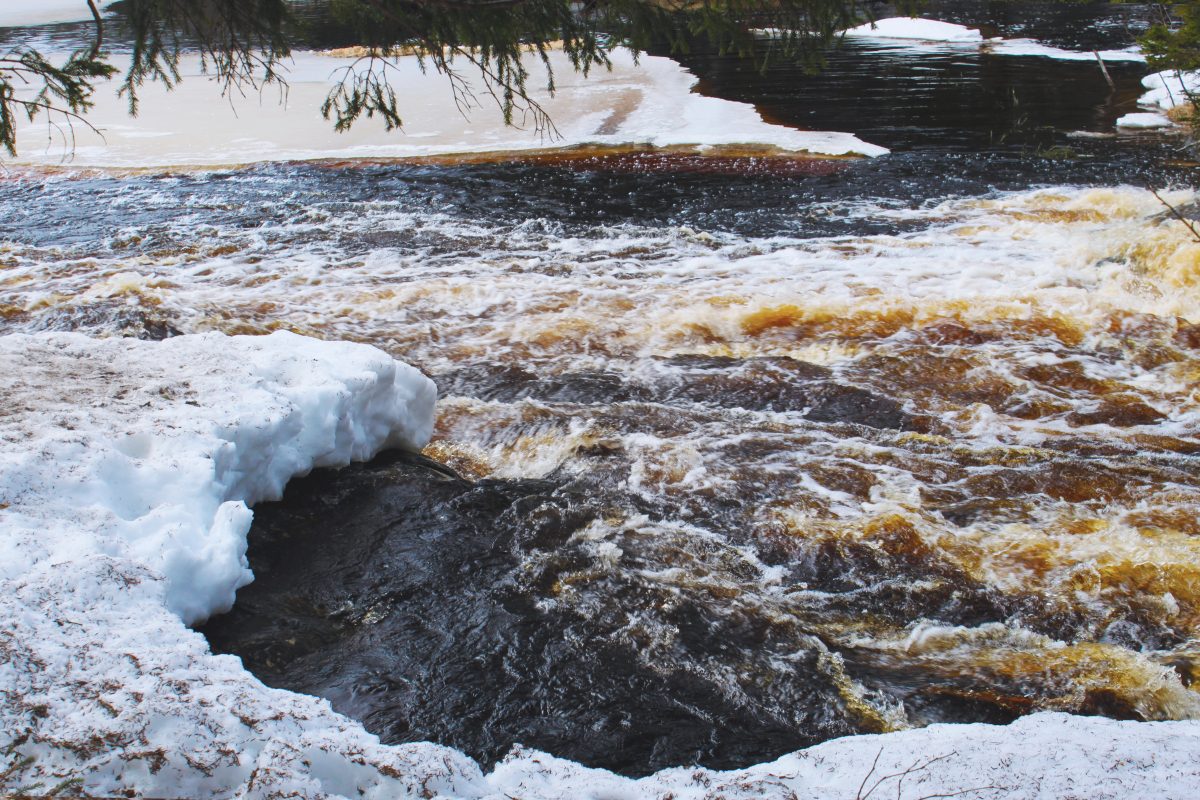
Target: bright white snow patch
{"points": [[155, 450], [1168, 89], [650, 102], [1031, 47], [1144, 120], [17, 13], [926, 30]]}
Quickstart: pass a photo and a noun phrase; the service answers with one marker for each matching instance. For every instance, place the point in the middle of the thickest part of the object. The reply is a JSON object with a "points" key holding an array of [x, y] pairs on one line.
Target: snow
{"points": [[1168, 89], [926, 30], [126, 469], [1164, 91], [1039, 756], [15, 13], [1144, 120], [165, 486], [1031, 47], [648, 101], [919, 33]]}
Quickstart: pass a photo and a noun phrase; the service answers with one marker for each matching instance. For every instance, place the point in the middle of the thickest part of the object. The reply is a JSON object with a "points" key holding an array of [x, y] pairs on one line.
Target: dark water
{"points": [[906, 96]]}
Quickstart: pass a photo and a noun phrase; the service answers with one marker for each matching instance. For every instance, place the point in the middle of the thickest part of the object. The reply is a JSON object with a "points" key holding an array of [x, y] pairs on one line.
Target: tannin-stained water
{"points": [[742, 455]]}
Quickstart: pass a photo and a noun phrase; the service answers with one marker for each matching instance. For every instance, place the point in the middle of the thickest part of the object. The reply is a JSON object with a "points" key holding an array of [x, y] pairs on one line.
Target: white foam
{"points": [[650, 102]]}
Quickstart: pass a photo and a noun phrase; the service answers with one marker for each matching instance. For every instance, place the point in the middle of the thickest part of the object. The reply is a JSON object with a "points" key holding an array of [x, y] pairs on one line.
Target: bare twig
{"points": [[1189, 224], [915, 767]]}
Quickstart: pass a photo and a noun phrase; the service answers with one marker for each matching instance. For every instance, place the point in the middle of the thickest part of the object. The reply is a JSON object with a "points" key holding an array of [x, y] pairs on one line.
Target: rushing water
{"points": [[733, 454]]}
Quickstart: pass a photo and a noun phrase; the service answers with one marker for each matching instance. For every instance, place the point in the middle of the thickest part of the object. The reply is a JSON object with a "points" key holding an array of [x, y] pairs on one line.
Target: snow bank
{"points": [[125, 469], [650, 102], [1168, 89], [925, 30], [16, 13], [1164, 91], [155, 450]]}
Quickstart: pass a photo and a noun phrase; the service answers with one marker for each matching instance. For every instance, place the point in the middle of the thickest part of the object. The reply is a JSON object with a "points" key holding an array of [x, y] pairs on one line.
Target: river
{"points": [[735, 453]]}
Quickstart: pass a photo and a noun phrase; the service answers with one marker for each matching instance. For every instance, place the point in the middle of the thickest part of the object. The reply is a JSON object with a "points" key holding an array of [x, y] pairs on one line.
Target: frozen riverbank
{"points": [[125, 468], [648, 102]]}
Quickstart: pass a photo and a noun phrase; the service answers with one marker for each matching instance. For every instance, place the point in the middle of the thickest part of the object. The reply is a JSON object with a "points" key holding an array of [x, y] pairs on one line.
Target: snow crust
{"points": [[126, 468], [648, 102], [15, 13]]}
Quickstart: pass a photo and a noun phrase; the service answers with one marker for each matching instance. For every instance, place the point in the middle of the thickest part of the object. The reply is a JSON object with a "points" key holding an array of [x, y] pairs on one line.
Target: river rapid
{"points": [[735, 453]]}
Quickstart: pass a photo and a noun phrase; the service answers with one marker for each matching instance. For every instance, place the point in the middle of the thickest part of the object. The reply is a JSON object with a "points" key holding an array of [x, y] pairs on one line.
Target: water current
{"points": [[734, 454]]}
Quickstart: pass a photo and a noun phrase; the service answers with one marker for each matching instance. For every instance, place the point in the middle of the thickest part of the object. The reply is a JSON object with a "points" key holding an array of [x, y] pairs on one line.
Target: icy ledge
{"points": [[125, 469]]}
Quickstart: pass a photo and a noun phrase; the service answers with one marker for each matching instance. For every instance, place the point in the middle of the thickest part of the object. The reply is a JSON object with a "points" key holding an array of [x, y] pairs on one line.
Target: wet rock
{"points": [[755, 384], [106, 318], [782, 384], [508, 384]]}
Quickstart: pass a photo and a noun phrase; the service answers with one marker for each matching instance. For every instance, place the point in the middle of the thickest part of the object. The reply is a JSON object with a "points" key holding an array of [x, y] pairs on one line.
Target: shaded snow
{"points": [[925, 30], [15, 13], [1031, 47], [125, 468]]}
